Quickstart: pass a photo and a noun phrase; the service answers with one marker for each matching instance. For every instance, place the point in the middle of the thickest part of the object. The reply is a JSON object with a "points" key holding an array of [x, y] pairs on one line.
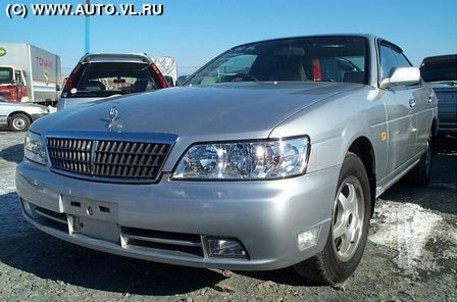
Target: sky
{"points": [[194, 31]]}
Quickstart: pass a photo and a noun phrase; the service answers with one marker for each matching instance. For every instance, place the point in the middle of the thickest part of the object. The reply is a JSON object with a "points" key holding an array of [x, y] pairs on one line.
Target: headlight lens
{"points": [[34, 149], [245, 160]]}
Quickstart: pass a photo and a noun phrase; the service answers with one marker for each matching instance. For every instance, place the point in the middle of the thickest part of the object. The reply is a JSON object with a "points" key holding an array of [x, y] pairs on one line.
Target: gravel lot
{"points": [[411, 254]]}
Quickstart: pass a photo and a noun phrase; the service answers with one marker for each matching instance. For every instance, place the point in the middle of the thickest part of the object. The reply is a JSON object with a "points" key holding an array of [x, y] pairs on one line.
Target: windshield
{"points": [[440, 70], [319, 59], [103, 79], [6, 75]]}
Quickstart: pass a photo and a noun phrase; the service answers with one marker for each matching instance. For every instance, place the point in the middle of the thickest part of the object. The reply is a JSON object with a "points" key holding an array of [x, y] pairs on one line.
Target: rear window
{"points": [[6, 75], [103, 79]]}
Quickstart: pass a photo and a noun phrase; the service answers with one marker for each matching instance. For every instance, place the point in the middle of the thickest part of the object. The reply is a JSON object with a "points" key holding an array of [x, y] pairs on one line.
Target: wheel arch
{"points": [[434, 128], [8, 119], [363, 148], [28, 120]]}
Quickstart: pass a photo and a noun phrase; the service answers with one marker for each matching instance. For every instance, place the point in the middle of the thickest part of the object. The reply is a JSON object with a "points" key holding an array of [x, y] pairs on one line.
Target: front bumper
{"points": [[169, 221]]}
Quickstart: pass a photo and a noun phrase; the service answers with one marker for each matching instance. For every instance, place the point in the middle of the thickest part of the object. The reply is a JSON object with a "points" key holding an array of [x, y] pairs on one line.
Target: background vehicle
{"points": [[168, 68], [98, 76], [19, 116], [441, 73], [29, 74], [272, 157], [181, 79]]}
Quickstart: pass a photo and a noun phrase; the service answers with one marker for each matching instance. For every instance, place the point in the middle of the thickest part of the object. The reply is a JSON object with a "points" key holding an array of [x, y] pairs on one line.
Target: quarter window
{"points": [[402, 60], [18, 77], [388, 61], [391, 57]]}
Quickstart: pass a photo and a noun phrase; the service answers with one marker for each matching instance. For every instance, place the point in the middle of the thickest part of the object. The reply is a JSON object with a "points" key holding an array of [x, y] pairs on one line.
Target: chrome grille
{"points": [[107, 160], [73, 155]]}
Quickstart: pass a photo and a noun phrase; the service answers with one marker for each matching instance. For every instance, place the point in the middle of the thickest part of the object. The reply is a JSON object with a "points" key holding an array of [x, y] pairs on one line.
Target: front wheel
{"points": [[348, 234], [19, 122]]}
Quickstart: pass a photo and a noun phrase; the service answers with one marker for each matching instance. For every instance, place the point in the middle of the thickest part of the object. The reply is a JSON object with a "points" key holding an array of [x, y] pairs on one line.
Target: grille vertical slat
{"points": [[112, 160]]}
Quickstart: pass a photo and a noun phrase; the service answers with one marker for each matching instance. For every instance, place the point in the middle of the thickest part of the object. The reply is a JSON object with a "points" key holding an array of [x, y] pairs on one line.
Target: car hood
{"points": [[65, 103], [23, 105], [222, 112]]}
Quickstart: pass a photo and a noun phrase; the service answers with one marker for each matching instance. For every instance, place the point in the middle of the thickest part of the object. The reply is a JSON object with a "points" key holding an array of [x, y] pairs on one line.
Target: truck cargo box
{"points": [[29, 73]]}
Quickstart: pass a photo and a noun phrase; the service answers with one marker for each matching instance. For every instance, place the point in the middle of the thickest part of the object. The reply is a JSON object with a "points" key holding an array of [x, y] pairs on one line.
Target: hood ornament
{"points": [[114, 117]]}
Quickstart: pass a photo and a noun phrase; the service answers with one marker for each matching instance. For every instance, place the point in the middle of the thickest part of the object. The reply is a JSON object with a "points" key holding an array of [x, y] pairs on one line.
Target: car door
{"points": [[3, 112], [400, 110], [423, 101]]}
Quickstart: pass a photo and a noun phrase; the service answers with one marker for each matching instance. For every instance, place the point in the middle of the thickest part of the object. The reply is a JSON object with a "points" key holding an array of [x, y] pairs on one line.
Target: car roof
{"points": [[440, 59], [368, 36], [116, 57]]}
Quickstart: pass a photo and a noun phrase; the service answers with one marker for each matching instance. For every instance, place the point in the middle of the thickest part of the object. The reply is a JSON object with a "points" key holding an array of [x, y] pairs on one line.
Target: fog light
{"points": [[27, 208], [225, 248], [307, 239]]}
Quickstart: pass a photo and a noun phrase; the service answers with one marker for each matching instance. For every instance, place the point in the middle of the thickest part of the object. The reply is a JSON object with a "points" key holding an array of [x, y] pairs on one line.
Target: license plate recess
{"points": [[93, 219]]}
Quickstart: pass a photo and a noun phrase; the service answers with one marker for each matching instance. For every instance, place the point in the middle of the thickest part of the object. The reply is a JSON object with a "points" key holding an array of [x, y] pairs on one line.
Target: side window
{"points": [[6, 75], [401, 59], [18, 77], [388, 61]]}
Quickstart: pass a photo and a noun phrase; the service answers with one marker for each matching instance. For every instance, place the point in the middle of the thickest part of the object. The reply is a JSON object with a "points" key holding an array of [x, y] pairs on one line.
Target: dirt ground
{"points": [[411, 254]]}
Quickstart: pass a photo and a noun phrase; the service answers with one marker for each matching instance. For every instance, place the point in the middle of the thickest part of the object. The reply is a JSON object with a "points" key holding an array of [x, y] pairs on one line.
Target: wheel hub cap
{"points": [[348, 218]]}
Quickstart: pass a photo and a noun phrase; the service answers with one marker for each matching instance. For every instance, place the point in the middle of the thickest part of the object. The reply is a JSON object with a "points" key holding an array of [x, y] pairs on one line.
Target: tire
{"points": [[19, 122], [348, 233], [420, 175]]}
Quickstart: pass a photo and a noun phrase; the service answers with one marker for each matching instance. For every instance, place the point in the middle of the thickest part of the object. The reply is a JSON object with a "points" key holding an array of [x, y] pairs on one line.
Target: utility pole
{"points": [[87, 31]]}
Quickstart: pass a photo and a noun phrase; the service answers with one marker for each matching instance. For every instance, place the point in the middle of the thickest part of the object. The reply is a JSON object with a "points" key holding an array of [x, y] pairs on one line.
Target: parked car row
{"points": [[271, 156], [100, 76], [440, 72]]}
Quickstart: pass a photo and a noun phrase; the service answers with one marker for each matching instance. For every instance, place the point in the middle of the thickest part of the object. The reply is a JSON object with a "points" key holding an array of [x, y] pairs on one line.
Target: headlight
{"points": [[245, 160], [34, 149]]}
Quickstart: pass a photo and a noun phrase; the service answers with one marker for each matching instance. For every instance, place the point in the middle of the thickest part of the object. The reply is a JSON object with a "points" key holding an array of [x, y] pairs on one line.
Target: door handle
{"points": [[430, 99], [412, 103]]}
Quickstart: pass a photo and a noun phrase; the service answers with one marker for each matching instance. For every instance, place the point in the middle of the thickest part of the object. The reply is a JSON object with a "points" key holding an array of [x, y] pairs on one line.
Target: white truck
{"points": [[168, 68], [29, 74]]}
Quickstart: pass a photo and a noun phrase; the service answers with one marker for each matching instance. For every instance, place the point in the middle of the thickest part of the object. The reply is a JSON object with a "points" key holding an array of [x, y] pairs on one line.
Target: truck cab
{"points": [[12, 84]]}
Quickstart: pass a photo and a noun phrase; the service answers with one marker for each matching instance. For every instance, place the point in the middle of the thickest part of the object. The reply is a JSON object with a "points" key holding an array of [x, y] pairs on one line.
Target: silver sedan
{"points": [[271, 156], [19, 116]]}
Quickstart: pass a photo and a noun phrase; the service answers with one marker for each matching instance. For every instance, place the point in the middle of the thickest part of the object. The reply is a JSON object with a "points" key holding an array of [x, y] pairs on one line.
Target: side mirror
{"points": [[402, 76]]}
